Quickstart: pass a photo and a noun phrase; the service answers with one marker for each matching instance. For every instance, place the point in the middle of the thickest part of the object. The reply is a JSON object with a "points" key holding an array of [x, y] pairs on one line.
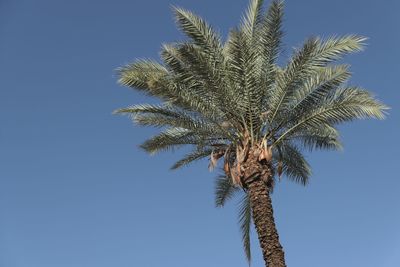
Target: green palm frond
{"points": [[189, 97], [334, 48], [171, 58], [295, 166], [252, 18], [315, 53], [210, 76], [270, 32], [251, 69], [316, 87], [142, 75], [291, 77], [166, 115], [170, 139], [269, 36], [224, 190], [162, 110], [199, 31], [207, 58], [322, 137], [156, 80], [185, 83], [195, 155], [245, 224], [343, 105], [243, 71], [234, 67], [198, 83]]}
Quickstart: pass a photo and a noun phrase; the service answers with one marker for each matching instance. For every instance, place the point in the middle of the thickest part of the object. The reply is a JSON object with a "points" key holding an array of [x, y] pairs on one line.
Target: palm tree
{"points": [[230, 101]]}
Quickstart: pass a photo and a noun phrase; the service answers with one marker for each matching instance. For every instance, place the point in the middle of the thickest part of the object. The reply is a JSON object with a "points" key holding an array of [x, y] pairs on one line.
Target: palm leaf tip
{"points": [[334, 48], [141, 75], [252, 17], [197, 29], [118, 111], [358, 103]]}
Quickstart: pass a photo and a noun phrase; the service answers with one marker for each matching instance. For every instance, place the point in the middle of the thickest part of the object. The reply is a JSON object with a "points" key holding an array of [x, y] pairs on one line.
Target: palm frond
{"points": [[199, 31], [315, 53], [270, 35], [157, 80], [322, 137], [211, 76], [245, 224], [188, 68], [252, 17], [170, 139], [191, 79], [316, 87], [224, 190], [334, 48], [295, 166], [343, 105], [324, 80], [170, 55], [163, 110], [166, 115], [291, 77], [142, 75], [233, 53], [244, 72], [191, 157]]}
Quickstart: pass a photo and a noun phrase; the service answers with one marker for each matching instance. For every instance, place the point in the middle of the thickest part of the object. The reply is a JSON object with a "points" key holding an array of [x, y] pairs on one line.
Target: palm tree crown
{"points": [[226, 98]]}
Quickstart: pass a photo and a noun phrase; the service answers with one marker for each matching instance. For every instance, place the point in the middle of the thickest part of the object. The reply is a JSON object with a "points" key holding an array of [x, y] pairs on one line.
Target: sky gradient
{"points": [[76, 191]]}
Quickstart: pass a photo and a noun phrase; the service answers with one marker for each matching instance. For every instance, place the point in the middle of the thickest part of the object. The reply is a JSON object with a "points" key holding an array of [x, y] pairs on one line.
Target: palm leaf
{"points": [[245, 224], [199, 31], [142, 75], [269, 36], [295, 166], [322, 137], [166, 115], [315, 53], [224, 190], [316, 87], [170, 139], [343, 105], [252, 17], [244, 71], [191, 157]]}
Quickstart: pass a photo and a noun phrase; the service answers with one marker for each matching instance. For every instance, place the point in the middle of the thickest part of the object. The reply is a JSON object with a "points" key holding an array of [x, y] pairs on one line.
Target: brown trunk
{"points": [[265, 225]]}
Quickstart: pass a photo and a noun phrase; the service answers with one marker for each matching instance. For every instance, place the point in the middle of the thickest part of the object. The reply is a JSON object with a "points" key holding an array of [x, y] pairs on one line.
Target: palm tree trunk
{"points": [[263, 217]]}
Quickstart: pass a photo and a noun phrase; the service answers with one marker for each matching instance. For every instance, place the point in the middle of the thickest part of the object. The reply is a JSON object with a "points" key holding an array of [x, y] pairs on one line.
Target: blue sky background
{"points": [[75, 190]]}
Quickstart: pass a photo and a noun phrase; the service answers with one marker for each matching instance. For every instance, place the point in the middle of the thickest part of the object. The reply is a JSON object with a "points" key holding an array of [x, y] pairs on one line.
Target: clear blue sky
{"points": [[75, 190]]}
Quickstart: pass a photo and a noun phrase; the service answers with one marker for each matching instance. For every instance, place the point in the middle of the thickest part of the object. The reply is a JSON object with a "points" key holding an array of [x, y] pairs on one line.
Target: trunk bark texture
{"points": [[261, 206]]}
